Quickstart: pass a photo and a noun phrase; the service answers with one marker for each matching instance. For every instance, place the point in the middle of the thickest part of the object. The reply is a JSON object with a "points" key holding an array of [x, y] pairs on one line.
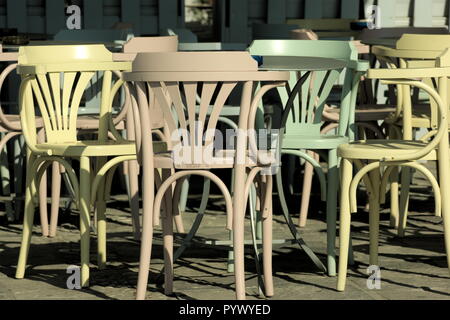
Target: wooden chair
{"points": [[172, 76], [413, 51], [304, 126], [10, 125], [384, 155], [43, 69]]}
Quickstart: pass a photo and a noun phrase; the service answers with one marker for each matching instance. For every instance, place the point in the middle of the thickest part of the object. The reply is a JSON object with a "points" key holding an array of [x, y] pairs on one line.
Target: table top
{"points": [[296, 63], [211, 46], [387, 42]]}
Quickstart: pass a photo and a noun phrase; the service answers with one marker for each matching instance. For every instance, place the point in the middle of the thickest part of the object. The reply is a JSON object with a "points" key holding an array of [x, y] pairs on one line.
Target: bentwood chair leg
{"points": [[394, 220], [306, 191], [84, 207], [333, 178], [27, 220], [6, 180], [374, 218], [19, 166], [43, 205], [184, 195], [56, 194], [404, 200], [344, 223], [43, 195], [168, 237], [267, 237], [101, 219], [394, 187], [134, 198]]}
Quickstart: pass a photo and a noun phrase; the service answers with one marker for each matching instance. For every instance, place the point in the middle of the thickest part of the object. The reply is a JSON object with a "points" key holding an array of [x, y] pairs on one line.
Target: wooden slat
{"points": [[131, 13], [350, 9], [54, 16], [93, 14], [423, 15], [167, 13], [388, 13], [16, 12], [238, 29], [276, 11], [313, 9]]}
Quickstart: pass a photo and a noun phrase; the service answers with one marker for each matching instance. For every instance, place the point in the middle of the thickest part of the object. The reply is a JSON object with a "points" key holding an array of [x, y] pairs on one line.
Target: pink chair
{"points": [[170, 77]]}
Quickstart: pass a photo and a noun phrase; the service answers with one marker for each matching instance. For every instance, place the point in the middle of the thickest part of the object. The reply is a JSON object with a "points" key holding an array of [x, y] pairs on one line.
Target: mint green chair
{"points": [[302, 120]]}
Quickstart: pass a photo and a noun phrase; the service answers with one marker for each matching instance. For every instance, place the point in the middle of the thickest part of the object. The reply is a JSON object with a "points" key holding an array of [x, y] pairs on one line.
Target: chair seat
{"points": [[378, 149], [312, 142], [90, 148]]}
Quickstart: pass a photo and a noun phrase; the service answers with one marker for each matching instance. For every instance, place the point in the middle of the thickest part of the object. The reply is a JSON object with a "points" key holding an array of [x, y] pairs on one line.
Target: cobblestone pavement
{"points": [[413, 267]]}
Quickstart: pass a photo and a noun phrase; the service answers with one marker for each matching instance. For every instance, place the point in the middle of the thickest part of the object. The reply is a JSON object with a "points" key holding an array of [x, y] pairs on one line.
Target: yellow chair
{"points": [[388, 154], [56, 78], [413, 111]]}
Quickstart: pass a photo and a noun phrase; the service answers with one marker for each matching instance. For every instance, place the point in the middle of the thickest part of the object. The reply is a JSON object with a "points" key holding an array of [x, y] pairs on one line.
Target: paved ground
{"points": [[412, 268]]}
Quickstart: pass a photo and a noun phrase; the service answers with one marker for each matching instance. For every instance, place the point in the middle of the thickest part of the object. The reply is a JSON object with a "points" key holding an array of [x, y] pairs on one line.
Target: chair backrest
{"points": [[398, 32], [176, 77], [305, 116], [152, 44], [92, 96], [56, 77], [184, 35], [415, 51], [304, 34], [272, 30]]}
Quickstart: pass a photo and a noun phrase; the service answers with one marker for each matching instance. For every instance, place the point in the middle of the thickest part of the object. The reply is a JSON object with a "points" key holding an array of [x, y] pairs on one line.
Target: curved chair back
{"points": [[7, 57], [176, 77], [152, 44], [414, 51], [56, 77], [305, 117]]}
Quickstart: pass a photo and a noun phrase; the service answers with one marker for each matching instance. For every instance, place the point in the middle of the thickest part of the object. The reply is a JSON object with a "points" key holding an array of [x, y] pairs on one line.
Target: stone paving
{"points": [[413, 267]]}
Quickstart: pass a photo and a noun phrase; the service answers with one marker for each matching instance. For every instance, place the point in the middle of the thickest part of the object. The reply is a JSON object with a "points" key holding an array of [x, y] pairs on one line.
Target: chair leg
{"points": [[404, 200], [394, 220], [134, 198], [184, 195], [28, 218], [333, 178], [306, 191], [374, 218], [344, 223], [267, 237], [84, 207], [43, 205], [168, 237], [6, 181], [19, 166], [291, 166], [56, 194], [101, 218]]}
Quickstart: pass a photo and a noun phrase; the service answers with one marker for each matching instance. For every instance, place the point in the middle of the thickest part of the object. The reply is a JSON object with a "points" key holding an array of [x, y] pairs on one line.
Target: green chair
{"points": [[303, 123]]}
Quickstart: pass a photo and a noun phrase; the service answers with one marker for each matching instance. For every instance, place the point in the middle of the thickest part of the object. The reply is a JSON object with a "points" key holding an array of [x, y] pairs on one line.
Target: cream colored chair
{"points": [[43, 70], [384, 155]]}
